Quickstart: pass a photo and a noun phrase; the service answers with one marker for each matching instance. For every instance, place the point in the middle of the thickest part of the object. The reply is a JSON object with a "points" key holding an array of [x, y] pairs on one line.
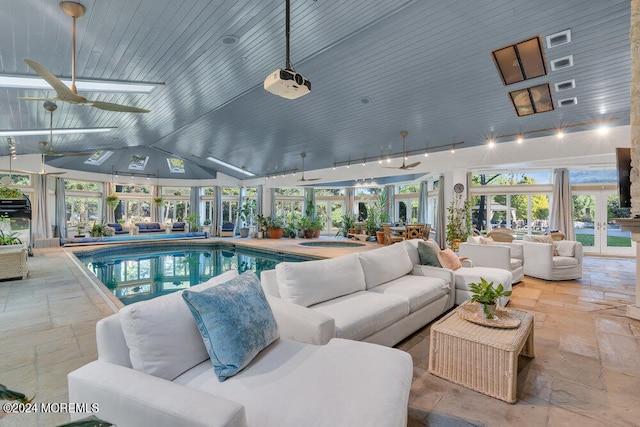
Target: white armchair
{"points": [[543, 264], [508, 256]]}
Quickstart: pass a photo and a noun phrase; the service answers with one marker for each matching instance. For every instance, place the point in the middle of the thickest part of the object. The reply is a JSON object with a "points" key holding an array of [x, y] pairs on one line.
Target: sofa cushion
{"points": [[153, 226], [116, 226], [162, 336], [235, 321], [467, 275], [429, 254], [363, 313], [418, 291], [310, 282], [141, 225], [565, 247], [178, 226], [565, 261], [290, 381], [515, 263], [385, 264], [449, 259]]}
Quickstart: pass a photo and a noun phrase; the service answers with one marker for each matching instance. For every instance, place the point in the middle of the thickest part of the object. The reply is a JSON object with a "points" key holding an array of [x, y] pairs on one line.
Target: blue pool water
{"points": [[146, 271], [331, 244]]}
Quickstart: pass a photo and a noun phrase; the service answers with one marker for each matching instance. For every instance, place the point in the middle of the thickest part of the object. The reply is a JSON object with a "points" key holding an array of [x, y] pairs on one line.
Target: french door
{"points": [[593, 220]]}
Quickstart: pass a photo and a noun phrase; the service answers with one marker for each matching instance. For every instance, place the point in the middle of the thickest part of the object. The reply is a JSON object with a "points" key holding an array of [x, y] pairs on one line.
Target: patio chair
{"points": [[227, 229], [502, 234], [179, 227], [390, 238]]}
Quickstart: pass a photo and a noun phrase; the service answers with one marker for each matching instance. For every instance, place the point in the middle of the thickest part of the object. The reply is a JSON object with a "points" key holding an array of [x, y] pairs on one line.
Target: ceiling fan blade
{"points": [[116, 107], [31, 98], [309, 179], [64, 93], [411, 166]]}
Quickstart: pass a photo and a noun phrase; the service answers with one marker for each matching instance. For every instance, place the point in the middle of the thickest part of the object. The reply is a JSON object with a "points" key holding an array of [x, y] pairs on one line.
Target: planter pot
{"points": [[380, 237], [260, 234], [275, 233], [308, 234], [486, 311], [244, 232], [455, 244], [316, 234], [352, 231]]}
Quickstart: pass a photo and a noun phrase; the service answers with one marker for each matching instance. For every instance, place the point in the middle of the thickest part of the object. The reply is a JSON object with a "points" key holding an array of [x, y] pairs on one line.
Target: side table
{"points": [[481, 358]]}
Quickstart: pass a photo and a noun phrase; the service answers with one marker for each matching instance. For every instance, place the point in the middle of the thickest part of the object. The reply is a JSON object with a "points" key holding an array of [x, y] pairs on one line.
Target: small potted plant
{"points": [[80, 226], [487, 296], [206, 226], [98, 230], [348, 222], [263, 225], [10, 193], [275, 228]]}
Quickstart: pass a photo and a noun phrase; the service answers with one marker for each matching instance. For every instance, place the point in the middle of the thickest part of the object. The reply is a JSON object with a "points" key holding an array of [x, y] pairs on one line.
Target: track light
{"points": [[388, 159], [603, 129], [348, 164], [364, 163], [453, 149], [380, 160], [426, 153], [520, 139], [334, 166], [492, 142], [560, 134]]}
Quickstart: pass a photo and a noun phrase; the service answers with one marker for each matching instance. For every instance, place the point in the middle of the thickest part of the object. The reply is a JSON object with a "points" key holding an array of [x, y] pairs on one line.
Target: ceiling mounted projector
{"points": [[287, 84]]}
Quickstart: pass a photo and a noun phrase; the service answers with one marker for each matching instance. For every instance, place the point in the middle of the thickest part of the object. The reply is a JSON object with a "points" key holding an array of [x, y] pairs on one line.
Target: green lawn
{"points": [[617, 241]]}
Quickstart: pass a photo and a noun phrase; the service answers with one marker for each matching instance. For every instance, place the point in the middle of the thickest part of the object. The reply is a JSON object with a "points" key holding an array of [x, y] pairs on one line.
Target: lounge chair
{"points": [[227, 229]]}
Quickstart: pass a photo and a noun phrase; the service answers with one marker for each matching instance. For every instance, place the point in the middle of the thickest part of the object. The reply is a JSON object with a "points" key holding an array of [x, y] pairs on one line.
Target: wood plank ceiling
{"points": [[424, 67]]}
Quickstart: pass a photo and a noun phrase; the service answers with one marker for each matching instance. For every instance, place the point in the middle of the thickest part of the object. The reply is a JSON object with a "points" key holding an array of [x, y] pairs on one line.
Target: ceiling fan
{"points": [[404, 166], [303, 155], [51, 106], [70, 95]]}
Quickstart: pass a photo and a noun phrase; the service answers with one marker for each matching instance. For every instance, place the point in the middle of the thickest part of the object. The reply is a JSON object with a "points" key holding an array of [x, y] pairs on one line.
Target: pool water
{"points": [[143, 272]]}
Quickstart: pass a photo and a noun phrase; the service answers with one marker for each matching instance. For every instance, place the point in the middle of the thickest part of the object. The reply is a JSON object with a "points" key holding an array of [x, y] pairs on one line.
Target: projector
{"points": [[287, 84]]}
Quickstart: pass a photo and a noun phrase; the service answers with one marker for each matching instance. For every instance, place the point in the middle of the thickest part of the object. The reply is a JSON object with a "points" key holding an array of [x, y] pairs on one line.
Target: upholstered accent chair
{"points": [[115, 229], [227, 229], [13, 259], [552, 260], [505, 255], [179, 227]]}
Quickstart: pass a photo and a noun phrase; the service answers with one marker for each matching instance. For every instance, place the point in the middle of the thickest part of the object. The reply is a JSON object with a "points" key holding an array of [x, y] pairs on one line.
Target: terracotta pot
{"points": [[380, 237], [316, 234], [275, 233], [308, 234], [352, 231]]}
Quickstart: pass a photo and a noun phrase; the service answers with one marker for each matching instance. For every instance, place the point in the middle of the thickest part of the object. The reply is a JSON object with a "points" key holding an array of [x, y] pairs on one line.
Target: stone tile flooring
{"points": [[586, 370]]}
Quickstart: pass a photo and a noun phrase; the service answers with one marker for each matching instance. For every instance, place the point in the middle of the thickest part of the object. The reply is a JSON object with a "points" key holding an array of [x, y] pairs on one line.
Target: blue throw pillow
{"points": [[235, 321]]}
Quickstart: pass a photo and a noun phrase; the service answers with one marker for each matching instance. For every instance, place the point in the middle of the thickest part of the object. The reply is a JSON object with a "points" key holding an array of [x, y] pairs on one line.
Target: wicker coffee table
{"points": [[481, 358]]}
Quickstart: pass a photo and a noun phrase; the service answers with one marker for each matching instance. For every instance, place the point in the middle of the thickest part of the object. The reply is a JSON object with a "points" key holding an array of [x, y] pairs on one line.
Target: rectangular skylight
{"points": [[98, 157], [175, 165], [55, 131], [227, 165], [24, 82], [138, 163]]}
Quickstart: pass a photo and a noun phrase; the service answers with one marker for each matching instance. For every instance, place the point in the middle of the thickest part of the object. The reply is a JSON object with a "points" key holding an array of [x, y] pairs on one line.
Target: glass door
{"points": [[593, 220]]}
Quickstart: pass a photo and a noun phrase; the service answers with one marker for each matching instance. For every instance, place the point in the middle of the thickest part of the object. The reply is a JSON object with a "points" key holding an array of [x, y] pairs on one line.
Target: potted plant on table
{"points": [[487, 297]]}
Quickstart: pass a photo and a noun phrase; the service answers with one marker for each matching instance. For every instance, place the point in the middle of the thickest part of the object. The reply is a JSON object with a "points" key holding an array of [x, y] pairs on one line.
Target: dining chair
{"points": [[414, 231], [390, 238]]}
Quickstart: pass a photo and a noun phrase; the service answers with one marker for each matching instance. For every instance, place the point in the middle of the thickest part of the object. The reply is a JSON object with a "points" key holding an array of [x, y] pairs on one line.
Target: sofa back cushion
{"points": [[178, 225], [310, 282], [115, 226], [385, 264], [162, 335], [141, 225], [565, 247], [153, 226], [543, 239]]}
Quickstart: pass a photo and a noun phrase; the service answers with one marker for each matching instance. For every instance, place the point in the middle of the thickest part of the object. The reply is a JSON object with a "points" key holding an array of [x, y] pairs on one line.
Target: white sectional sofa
{"points": [[153, 370], [379, 296]]}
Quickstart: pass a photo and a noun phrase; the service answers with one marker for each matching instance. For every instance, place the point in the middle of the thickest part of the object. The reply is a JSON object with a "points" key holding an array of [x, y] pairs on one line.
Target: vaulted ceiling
{"points": [[376, 68]]}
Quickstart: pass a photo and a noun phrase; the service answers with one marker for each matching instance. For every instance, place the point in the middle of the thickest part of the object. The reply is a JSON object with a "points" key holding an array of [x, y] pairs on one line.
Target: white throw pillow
{"points": [[566, 247], [310, 282], [161, 334], [385, 264]]}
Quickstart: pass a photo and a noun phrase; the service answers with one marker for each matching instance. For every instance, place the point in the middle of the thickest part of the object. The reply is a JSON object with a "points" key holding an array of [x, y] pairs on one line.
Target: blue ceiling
{"points": [[423, 66]]}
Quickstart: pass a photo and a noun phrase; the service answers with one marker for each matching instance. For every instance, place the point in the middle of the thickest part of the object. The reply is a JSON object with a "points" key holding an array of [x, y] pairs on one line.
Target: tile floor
{"points": [[586, 370]]}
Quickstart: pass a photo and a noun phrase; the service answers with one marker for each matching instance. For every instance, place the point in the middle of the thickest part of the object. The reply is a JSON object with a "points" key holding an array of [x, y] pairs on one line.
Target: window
{"points": [[288, 202]]}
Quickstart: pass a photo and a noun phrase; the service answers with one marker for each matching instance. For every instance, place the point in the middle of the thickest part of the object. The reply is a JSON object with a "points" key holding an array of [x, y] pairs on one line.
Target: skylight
{"points": [[175, 165]]}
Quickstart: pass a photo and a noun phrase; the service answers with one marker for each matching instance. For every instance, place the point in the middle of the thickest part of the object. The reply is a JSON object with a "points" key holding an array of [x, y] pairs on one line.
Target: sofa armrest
{"points": [[302, 324], [538, 257], [441, 273], [111, 231], [124, 397], [134, 230]]}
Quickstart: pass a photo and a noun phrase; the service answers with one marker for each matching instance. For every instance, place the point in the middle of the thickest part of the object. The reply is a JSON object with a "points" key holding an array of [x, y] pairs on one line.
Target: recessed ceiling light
{"points": [[558, 39], [229, 39], [55, 131], [27, 82]]}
